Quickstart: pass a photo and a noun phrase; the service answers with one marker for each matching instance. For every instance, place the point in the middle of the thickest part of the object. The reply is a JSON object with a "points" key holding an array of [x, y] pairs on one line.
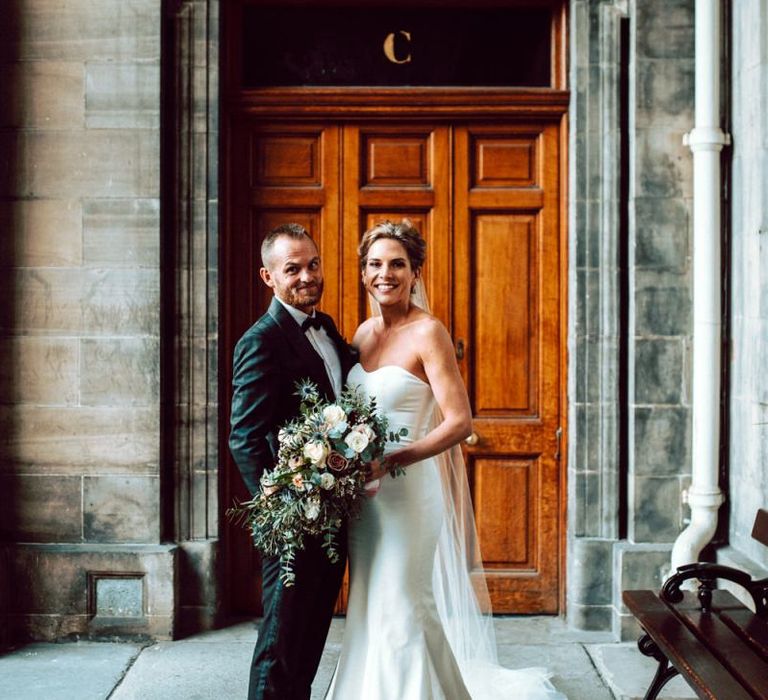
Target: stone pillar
{"points": [[748, 459], [95, 494], [593, 458], [615, 542], [80, 321], [660, 286], [190, 284]]}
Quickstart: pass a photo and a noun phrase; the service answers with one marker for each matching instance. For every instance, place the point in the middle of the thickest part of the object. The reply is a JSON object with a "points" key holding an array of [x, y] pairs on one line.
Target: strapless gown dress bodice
{"points": [[405, 399]]}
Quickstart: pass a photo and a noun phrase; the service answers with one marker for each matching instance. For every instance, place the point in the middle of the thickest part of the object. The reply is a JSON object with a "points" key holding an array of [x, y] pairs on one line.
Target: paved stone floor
{"points": [[214, 665]]}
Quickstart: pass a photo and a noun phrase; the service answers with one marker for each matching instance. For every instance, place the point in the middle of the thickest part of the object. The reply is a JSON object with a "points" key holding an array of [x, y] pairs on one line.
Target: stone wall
{"points": [[660, 269], [108, 321], [80, 319], [748, 459], [190, 296], [593, 294], [617, 543]]}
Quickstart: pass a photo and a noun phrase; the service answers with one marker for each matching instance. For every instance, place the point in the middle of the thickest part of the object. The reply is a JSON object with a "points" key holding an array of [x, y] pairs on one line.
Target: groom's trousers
{"points": [[295, 624]]}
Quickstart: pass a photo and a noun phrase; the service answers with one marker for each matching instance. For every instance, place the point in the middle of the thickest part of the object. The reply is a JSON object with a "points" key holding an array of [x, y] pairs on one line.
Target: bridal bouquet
{"points": [[319, 479]]}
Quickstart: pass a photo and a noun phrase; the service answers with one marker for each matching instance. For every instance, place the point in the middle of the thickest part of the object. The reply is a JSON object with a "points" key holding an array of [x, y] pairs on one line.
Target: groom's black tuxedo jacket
{"points": [[269, 359]]}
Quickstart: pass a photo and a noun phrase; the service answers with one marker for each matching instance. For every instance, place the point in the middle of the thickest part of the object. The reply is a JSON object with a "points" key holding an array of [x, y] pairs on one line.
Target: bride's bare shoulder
{"points": [[428, 328], [363, 331]]}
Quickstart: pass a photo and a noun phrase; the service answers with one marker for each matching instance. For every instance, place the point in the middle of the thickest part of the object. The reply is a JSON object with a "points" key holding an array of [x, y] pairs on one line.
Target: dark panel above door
{"points": [[430, 47]]}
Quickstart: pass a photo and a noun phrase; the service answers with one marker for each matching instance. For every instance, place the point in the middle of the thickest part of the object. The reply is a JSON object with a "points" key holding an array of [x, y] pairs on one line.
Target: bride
{"points": [[415, 626]]}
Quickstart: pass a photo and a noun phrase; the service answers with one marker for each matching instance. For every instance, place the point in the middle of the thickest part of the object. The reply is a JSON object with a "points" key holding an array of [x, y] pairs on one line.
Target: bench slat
{"points": [[702, 669], [721, 600], [733, 651], [752, 627]]}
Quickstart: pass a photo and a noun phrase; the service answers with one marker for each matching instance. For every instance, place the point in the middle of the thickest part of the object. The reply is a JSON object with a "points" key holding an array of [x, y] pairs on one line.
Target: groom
{"points": [[292, 341]]}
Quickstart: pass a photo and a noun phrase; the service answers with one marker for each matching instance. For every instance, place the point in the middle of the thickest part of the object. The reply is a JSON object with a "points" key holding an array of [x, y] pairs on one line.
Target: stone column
{"points": [[593, 457], [190, 284], [79, 184], [625, 508], [660, 285], [748, 458], [108, 328]]}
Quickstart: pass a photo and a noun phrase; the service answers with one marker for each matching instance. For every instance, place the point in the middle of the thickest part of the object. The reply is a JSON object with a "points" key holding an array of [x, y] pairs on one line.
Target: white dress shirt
{"points": [[323, 345]]}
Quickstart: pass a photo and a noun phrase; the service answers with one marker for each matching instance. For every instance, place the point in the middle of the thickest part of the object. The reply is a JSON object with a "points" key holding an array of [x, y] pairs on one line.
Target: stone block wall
{"points": [[748, 459], [191, 79], [593, 459], [80, 320], [660, 320], [617, 543]]}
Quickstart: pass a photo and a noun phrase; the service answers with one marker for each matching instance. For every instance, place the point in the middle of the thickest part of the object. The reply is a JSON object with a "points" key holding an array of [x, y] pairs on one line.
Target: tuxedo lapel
{"points": [[347, 354], [315, 367]]}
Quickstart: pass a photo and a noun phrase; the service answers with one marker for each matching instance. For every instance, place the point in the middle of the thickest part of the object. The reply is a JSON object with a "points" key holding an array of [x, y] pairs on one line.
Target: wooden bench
{"points": [[708, 637]]}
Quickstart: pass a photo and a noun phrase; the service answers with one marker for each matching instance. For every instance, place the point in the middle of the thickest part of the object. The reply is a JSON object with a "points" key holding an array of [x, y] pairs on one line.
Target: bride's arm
{"points": [[439, 361]]}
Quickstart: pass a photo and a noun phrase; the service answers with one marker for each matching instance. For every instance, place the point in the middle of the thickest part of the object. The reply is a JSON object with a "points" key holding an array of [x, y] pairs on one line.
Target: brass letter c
{"points": [[389, 47]]}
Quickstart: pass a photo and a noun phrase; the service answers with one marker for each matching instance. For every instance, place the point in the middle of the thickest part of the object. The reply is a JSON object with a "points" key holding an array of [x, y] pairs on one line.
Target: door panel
{"points": [[396, 160], [503, 160], [506, 299], [502, 530], [487, 200], [391, 172], [505, 375]]}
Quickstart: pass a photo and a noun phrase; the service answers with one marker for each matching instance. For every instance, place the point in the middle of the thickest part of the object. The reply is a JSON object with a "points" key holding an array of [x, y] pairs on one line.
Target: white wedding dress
{"points": [[400, 640]]}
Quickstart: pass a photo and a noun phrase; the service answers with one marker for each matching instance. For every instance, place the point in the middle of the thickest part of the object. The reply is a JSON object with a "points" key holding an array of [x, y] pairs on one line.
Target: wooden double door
{"points": [[488, 199]]}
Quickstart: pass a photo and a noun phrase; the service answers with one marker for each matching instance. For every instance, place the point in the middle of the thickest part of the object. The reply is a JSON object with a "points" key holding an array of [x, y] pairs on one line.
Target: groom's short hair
{"points": [[291, 230]]}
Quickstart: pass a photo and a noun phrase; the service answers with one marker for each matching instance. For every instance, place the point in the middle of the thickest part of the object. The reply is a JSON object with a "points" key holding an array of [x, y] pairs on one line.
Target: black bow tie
{"points": [[312, 322]]}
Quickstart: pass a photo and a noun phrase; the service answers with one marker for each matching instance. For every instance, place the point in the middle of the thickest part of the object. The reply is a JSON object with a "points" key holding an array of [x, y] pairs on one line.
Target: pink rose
{"points": [[298, 481], [337, 462]]}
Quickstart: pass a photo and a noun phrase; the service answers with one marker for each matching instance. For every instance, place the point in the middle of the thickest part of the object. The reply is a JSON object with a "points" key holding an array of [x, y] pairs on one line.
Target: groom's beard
{"points": [[305, 295]]}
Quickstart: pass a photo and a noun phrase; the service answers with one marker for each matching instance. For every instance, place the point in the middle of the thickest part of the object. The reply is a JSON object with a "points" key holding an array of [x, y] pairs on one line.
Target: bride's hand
{"points": [[372, 487], [376, 470]]}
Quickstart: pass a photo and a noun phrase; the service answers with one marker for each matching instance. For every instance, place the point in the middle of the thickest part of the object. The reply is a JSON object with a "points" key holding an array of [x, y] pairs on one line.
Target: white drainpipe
{"points": [[706, 140]]}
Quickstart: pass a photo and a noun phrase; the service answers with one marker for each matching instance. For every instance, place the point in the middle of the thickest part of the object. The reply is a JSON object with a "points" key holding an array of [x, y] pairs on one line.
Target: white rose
{"points": [[333, 415], [295, 463], [357, 440], [316, 452], [327, 481], [312, 509], [364, 428]]}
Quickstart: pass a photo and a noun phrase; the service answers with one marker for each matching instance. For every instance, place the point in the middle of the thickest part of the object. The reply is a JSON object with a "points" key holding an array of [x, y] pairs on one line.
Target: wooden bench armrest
{"points": [[707, 574]]}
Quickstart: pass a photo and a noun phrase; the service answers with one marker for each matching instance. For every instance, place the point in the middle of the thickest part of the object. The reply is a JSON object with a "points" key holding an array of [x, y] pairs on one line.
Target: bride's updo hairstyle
{"points": [[404, 233]]}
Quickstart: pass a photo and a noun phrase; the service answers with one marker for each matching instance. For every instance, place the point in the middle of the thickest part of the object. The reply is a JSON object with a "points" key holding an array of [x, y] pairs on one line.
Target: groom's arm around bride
{"points": [[292, 341]]}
